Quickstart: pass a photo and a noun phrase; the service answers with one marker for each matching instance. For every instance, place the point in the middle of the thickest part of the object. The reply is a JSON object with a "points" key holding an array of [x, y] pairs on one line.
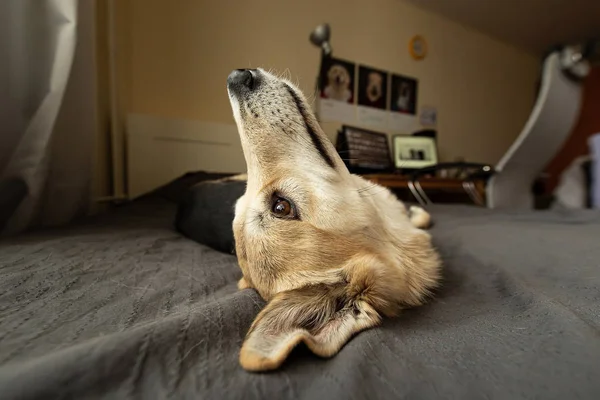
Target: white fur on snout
{"points": [[235, 107]]}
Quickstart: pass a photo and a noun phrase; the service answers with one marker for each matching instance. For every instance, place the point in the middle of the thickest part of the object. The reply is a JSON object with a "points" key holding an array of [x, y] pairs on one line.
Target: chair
{"points": [[509, 184]]}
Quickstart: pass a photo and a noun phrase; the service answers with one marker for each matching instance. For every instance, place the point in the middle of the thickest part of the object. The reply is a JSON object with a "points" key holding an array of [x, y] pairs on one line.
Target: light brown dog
{"points": [[331, 253], [374, 86], [338, 84]]}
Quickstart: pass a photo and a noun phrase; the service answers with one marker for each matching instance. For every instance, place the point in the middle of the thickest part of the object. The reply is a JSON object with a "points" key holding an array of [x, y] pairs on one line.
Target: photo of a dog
{"points": [[372, 87], [332, 253], [337, 80], [404, 94]]}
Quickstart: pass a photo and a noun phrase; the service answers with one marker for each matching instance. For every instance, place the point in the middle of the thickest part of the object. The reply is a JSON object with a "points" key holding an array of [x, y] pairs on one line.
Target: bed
{"points": [[123, 305]]}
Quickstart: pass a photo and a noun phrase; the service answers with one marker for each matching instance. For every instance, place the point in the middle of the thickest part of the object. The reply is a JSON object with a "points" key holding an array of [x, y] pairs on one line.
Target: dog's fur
{"points": [[338, 84], [351, 255]]}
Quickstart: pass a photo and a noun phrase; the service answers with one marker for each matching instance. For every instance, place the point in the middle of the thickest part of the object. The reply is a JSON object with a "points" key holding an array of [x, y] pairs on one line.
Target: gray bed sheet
{"points": [[122, 306]]}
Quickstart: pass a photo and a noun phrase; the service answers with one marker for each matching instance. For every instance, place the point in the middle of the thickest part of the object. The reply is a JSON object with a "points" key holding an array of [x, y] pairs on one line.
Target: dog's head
{"points": [[315, 241], [374, 86], [338, 76]]}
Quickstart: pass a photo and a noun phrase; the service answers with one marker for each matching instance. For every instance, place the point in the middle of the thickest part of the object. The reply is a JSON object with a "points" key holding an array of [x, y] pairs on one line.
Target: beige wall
{"points": [[175, 57]]}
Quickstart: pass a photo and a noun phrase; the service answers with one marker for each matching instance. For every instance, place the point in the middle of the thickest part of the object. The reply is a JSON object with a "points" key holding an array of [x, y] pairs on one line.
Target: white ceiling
{"points": [[534, 25]]}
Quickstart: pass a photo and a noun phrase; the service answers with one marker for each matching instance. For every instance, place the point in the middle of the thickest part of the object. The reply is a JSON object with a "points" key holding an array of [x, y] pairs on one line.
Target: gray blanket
{"points": [[122, 306]]}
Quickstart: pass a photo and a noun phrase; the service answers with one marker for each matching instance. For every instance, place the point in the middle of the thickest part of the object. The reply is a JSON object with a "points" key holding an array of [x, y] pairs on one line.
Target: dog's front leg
{"points": [[243, 284]]}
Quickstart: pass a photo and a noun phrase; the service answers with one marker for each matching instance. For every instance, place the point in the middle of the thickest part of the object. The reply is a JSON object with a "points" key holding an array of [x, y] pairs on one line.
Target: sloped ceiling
{"points": [[533, 25]]}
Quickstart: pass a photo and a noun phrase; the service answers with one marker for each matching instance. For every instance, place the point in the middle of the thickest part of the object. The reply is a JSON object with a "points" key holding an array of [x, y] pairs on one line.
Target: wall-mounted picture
{"points": [[404, 94], [337, 80], [372, 87], [414, 151]]}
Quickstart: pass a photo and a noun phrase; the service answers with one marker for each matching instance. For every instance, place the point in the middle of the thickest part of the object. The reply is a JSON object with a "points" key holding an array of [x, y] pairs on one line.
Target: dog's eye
{"points": [[283, 208]]}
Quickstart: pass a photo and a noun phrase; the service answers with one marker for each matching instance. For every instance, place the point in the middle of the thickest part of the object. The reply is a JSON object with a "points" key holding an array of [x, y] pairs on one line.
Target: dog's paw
{"points": [[243, 284], [419, 217]]}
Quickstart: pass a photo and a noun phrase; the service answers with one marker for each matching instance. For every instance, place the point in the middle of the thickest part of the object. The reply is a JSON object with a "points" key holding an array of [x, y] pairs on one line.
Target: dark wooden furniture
{"points": [[424, 189]]}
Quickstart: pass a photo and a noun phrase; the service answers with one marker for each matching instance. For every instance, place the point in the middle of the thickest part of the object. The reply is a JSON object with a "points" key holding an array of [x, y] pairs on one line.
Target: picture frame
{"points": [[413, 152], [404, 94], [363, 150], [372, 87], [337, 80]]}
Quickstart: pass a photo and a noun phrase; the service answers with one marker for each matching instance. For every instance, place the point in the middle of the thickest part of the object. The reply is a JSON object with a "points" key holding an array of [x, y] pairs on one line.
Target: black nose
{"points": [[241, 79]]}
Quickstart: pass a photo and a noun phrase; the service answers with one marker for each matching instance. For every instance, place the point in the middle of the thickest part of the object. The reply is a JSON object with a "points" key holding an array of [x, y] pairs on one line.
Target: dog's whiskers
{"points": [[376, 239], [366, 188], [362, 194]]}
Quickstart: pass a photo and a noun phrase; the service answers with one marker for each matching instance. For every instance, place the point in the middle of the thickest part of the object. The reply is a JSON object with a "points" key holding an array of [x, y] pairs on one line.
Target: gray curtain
{"points": [[45, 111]]}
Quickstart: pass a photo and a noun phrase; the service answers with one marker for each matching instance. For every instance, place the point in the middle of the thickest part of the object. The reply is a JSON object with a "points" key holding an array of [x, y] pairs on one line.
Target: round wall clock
{"points": [[417, 47]]}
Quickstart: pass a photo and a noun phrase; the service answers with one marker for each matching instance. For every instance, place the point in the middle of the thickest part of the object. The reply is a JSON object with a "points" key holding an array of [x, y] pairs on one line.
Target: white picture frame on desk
{"points": [[413, 152]]}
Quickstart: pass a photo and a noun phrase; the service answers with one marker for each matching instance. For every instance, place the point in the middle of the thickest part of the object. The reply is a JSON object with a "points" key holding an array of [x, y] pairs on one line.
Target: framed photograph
{"points": [[364, 151], [337, 80], [412, 152], [372, 87], [404, 94]]}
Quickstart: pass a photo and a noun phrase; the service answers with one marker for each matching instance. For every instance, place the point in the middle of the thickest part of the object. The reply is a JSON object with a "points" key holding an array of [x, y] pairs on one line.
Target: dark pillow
{"points": [[205, 213]]}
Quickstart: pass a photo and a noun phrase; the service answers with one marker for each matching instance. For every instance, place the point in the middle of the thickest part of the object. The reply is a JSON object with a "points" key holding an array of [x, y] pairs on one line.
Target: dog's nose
{"points": [[241, 78]]}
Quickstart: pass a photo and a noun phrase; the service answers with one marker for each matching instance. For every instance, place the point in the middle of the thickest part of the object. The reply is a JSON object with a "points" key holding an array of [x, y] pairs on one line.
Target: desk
{"points": [[475, 190]]}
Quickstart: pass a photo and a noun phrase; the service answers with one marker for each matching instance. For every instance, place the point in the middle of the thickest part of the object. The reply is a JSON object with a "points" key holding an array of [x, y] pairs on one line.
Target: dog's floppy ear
{"points": [[323, 316]]}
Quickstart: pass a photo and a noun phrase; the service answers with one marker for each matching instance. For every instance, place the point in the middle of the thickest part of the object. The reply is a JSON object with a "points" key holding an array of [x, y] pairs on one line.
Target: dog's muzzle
{"points": [[242, 81]]}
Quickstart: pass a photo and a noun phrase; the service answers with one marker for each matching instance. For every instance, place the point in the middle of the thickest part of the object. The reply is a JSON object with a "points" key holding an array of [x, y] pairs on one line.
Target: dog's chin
{"points": [[237, 115], [235, 108], [339, 87]]}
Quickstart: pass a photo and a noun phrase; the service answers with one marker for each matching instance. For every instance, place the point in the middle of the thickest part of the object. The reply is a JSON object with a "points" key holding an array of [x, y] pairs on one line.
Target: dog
{"points": [[374, 87], [338, 84], [331, 253], [403, 100]]}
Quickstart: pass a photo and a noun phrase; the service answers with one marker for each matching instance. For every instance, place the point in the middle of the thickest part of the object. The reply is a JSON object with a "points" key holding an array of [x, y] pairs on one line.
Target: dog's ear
{"points": [[324, 317]]}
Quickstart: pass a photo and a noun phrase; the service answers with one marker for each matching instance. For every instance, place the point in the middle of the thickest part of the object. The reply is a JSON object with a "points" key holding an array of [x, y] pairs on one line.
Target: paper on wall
{"points": [[373, 118], [336, 111], [428, 116], [403, 123]]}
